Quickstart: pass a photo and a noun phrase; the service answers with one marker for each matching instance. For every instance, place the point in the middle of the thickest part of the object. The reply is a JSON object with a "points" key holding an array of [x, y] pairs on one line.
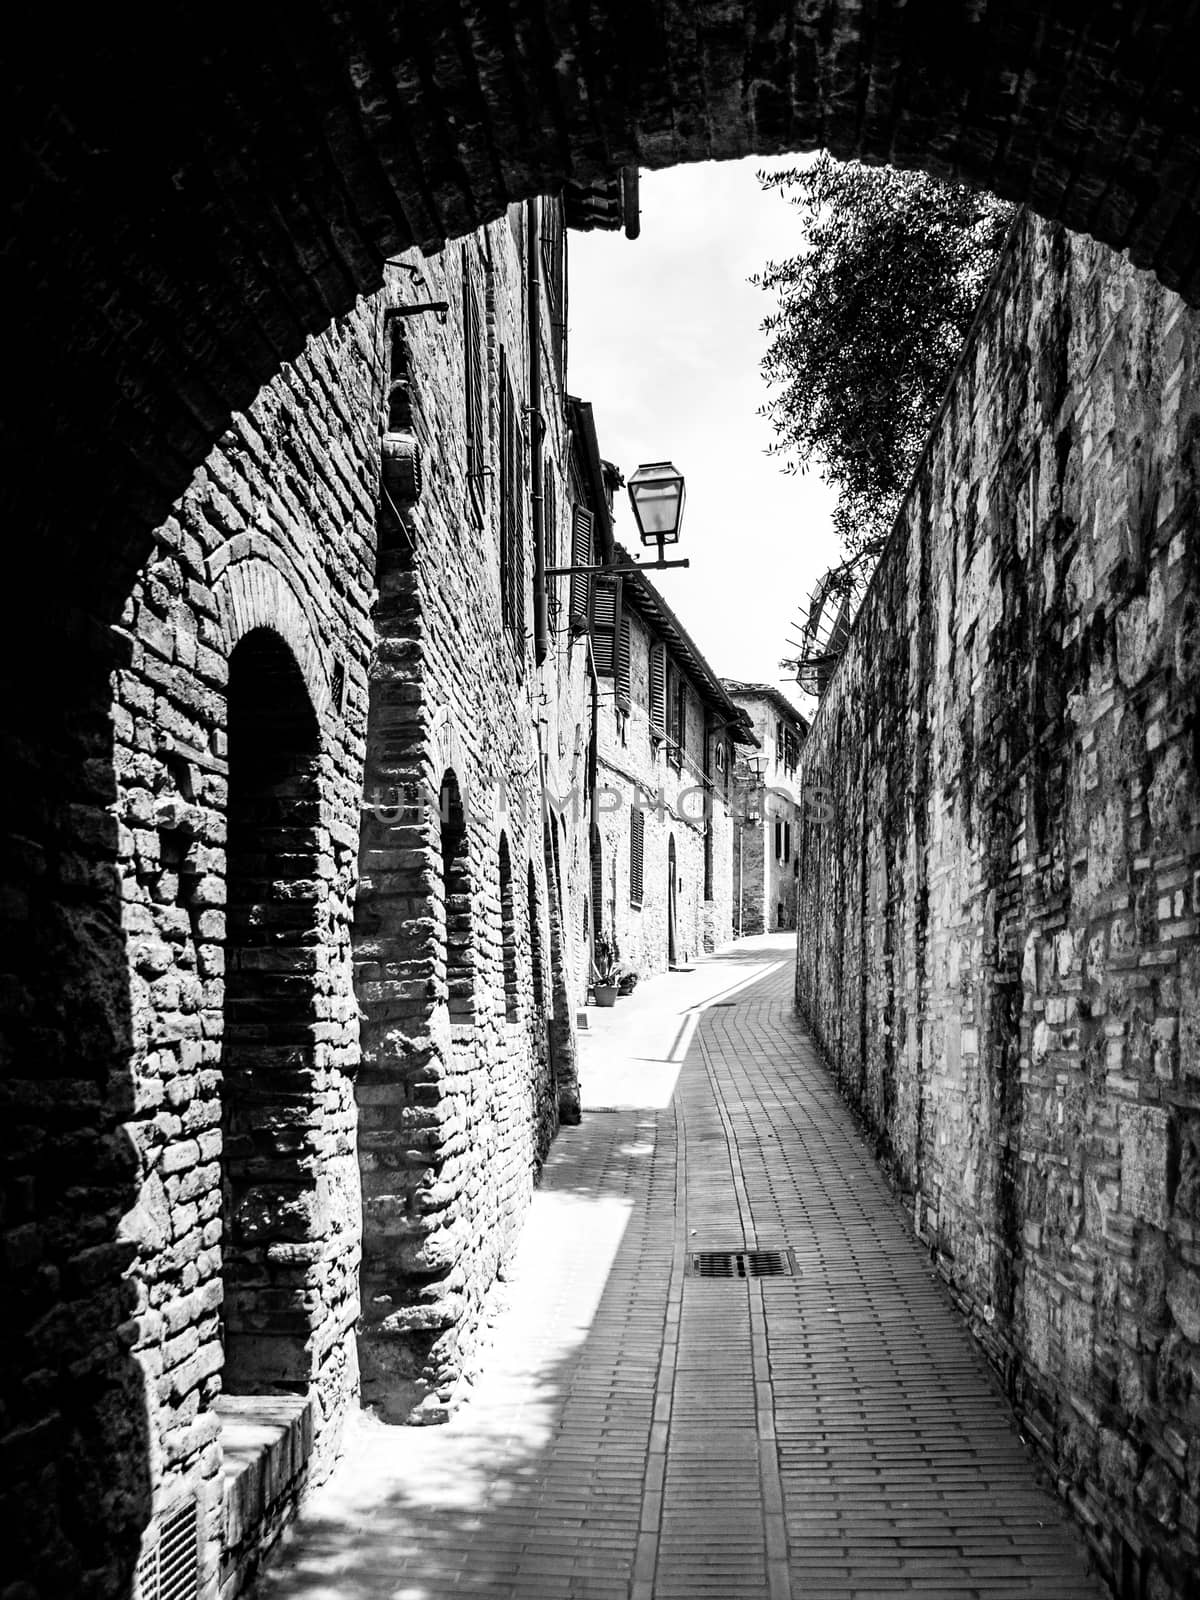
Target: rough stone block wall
{"points": [[458, 1100], [998, 921], [274, 536]]}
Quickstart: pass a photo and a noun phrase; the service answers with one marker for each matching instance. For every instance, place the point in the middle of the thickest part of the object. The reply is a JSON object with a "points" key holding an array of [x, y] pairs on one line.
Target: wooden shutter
{"points": [[581, 556], [623, 668], [658, 689], [637, 830], [606, 621], [597, 882]]}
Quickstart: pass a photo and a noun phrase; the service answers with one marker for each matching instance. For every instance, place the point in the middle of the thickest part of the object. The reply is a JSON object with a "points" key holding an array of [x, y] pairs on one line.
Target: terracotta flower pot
{"points": [[606, 994]]}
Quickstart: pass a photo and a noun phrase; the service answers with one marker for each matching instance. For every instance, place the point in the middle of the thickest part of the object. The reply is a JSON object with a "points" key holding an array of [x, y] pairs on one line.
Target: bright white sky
{"points": [[665, 341]]}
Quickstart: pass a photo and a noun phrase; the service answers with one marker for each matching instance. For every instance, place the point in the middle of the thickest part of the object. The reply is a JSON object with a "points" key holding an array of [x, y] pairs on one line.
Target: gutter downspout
{"points": [[541, 614]]}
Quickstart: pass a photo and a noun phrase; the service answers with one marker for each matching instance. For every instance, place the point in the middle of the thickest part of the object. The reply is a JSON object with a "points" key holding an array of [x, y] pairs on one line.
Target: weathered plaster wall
{"points": [[634, 765], [769, 792], [998, 920]]}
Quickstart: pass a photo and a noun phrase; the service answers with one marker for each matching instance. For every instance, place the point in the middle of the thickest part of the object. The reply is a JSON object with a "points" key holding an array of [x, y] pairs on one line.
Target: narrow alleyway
{"points": [[638, 1431]]}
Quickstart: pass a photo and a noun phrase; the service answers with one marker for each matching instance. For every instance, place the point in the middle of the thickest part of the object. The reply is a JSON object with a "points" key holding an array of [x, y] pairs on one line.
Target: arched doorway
{"points": [[672, 910], [270, 1089]]}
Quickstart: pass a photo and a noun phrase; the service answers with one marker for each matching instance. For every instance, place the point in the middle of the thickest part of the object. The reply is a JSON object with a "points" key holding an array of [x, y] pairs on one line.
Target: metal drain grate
{"points": [[168, 1569], [741, 1264]]}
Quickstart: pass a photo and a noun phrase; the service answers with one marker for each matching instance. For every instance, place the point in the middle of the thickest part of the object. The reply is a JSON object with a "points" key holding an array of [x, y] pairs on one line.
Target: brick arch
{"points": [[251, 594], [168, 278]]}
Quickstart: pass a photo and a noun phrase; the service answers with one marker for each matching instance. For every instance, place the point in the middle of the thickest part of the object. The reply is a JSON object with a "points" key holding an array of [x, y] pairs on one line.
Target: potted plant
{"points": [[604, 969]]}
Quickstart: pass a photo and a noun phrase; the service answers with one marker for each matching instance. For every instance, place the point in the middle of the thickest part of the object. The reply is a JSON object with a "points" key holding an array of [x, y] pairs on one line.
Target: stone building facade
{"points": [[1000, 910], [351, 923], [666, 734], [766, 837]]}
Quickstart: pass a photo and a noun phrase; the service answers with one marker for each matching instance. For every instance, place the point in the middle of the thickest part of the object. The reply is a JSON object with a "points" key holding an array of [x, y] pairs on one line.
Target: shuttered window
{"points": [[581, 556], [606, 618], [512, 533], [597, 881], [676, 717], [637, 831], [473, 395], [658, 689], [623, 666]]}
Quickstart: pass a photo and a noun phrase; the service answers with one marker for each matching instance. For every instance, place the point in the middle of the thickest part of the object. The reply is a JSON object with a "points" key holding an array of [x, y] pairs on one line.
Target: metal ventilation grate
{"points": [[741, 1264], [169, 1567]]}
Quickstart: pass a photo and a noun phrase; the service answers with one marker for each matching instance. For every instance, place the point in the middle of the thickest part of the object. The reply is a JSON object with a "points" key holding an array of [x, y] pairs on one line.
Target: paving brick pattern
{"points": [[641, 1434]]}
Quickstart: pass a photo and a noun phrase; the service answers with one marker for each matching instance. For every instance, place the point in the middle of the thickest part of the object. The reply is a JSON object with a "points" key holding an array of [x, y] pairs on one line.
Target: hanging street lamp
{"points": [[656, 493]]}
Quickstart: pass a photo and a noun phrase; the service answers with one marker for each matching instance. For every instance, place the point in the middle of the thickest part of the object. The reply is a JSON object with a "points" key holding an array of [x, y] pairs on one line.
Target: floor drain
{"points": [[741, 1264]]}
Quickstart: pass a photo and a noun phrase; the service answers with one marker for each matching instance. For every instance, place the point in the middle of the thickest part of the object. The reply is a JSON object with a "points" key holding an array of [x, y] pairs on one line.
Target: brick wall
{"points": [[998, 922], [464, 1074], [229, 1184], [238, 727]]}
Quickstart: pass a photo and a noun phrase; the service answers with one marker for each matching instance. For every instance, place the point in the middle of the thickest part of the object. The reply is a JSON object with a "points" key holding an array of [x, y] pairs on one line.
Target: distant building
{"points": [[665, 739], [765, 820]]}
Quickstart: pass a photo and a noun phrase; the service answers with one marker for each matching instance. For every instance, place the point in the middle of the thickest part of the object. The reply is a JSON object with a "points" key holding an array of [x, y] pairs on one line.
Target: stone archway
{"points": [[166, 279]]}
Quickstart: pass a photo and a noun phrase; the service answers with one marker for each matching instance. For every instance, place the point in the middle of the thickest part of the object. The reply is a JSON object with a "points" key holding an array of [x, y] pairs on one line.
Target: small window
{"points": [[637, 832], [778, 839], [597, 865], [787, 841], [581, 584], [606, 622], [623, 669], [658, 690], [676, 717]]}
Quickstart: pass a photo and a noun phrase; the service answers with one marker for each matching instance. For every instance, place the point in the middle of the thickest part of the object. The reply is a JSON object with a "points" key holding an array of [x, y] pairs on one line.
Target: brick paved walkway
{"points": [[638, 1432]]}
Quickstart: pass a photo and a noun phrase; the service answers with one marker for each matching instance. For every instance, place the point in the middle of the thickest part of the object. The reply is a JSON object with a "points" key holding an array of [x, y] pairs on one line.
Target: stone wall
{"points": [[226, 1187], [238, 727], [998, 911], [468, 1054]]}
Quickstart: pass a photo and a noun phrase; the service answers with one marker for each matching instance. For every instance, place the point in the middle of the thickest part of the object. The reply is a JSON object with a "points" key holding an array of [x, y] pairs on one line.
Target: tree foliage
{"points": [[873, 314]]}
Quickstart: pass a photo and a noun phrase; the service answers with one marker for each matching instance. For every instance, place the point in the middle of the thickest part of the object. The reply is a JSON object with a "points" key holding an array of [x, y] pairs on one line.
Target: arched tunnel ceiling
{"points": [[201, 187]]}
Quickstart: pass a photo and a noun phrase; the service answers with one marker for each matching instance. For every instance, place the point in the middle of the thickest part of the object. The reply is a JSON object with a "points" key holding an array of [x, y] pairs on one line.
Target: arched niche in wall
{"points": [[274, 914], [459, 916]]}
